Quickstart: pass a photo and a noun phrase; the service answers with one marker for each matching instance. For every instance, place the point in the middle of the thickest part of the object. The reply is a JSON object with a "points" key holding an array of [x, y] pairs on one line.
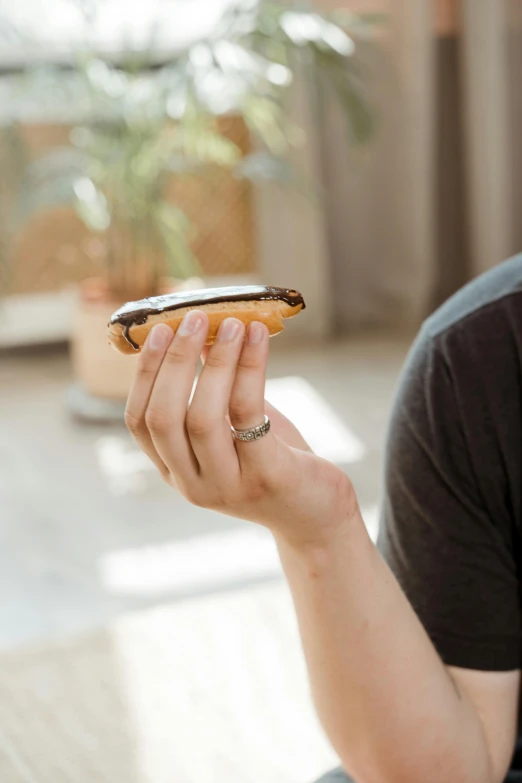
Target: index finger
{"points": [[169, 400], [149, 364]]}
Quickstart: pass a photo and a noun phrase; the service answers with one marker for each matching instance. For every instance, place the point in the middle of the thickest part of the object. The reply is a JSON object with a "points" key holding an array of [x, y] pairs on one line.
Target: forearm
{"points": [[386, 701], [385, 698]]}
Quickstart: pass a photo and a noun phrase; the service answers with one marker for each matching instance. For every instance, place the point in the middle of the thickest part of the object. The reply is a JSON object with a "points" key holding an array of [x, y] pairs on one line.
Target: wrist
{"points": [[313, 560], [343, 525]]}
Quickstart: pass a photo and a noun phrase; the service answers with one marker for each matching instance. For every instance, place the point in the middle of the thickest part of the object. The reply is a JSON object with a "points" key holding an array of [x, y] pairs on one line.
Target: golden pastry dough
{"points": [[271, 312]]}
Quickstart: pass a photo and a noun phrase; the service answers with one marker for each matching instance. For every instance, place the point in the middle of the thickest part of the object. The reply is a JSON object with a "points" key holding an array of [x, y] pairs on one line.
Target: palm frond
{"points": [[268, 121], [200, 142], [349, 92], [174, 229], [91, 205], [144, 122], [262, 168], [293, 34]]}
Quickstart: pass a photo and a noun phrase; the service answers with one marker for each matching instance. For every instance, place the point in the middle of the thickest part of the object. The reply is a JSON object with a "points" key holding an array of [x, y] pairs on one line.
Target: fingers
{"points": [[168, 404], [193, 445], [208, 428], [247, 401], [149, 364]]}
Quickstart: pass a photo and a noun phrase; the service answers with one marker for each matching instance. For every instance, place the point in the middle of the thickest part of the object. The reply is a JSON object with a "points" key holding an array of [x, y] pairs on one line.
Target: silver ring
{"points": [[254, 433]]}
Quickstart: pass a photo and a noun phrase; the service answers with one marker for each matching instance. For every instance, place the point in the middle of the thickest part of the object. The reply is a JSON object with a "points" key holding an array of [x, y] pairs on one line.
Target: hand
{"points": [[275, 481]]}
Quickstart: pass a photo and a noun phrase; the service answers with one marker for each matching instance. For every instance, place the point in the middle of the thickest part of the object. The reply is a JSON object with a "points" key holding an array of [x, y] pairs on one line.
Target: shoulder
{"points": [[480, 325], [483, 302]]}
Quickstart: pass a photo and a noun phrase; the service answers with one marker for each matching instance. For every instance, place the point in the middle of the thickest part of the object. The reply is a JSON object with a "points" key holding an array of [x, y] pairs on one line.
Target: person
{"points": [[413, 646]]}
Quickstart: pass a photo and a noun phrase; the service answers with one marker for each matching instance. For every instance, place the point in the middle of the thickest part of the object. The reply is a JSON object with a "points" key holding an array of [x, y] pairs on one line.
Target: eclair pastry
{"points": [[130, 325]]}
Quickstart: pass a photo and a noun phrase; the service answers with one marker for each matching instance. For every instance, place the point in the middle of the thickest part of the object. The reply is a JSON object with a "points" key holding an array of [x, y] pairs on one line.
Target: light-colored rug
{"points": [[206, 691]]}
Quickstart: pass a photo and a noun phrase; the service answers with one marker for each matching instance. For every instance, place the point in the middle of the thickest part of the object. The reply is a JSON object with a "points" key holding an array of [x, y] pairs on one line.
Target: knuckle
{"points": [[203, 494], [172, 480], [133, 423], [147, 364], [177, 352], [199, 425], [243, 413], [195, 497], [216, 359], [249, 360], [158, 420]]}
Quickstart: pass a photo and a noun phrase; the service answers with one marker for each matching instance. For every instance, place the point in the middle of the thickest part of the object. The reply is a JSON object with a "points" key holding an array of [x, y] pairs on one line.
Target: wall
{"points": [[445, 12]]}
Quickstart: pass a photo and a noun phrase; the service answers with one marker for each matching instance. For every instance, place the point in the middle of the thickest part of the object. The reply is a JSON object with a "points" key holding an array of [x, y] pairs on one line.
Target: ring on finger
{"points": [[253, 433]]}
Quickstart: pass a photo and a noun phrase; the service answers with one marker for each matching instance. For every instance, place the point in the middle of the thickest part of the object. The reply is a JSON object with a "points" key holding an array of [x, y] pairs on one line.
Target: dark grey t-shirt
{"points": [[451, 525]]}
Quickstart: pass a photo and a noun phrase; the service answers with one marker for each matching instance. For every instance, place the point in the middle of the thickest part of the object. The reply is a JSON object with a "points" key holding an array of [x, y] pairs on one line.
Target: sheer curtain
{"points": [[492, 61], [437, 198]]}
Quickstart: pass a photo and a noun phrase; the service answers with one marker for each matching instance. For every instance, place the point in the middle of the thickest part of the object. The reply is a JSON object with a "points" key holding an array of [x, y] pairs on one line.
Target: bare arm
{"points": [[387, 702], [390, 707]]}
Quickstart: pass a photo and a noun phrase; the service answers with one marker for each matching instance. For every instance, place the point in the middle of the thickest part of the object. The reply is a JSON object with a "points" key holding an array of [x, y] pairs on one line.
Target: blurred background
{"points": [[365, 152]]}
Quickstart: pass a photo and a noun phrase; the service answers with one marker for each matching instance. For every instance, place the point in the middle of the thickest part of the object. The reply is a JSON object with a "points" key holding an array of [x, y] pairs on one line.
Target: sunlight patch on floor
{"points": [[216, 691], [317, 421], [125, 468], [202, 564], [199, 565]]}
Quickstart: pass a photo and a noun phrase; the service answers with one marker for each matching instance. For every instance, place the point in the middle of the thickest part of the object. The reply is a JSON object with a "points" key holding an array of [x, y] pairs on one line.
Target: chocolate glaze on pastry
{"points": [[137, 313]]}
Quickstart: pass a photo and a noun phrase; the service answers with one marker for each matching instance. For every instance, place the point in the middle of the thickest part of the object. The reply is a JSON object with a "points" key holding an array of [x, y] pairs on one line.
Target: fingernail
{"points": [[255, 333], [229, 329], [190, 324], [160, 336]]}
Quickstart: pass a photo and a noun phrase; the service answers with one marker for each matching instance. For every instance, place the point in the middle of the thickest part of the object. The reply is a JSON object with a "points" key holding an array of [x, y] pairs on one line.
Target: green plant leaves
{"points": [[175, 230], [91, 205], [145, 121], [14, 158], [200, 144], [262, 168], [306, 28]]}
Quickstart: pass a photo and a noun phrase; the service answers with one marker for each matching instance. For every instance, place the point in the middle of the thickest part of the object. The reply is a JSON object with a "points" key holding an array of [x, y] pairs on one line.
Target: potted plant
{"points": [[14, 159], [148, 119]]}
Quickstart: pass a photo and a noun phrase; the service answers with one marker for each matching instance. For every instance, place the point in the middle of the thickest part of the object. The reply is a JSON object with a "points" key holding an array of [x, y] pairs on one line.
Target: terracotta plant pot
{"points": [[98, 368]]}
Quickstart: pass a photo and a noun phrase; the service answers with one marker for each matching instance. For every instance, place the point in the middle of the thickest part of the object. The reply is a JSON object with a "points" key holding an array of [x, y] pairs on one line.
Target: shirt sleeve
{"points": [[453, 556]]}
